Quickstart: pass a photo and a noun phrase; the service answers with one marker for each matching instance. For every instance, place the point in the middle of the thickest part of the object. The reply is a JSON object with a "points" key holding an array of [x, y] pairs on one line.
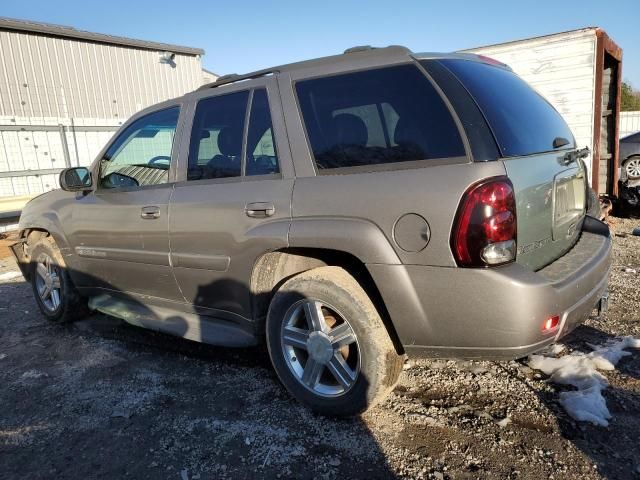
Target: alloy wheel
{"points": [[320, 348], [48, 282], [632, 167]]}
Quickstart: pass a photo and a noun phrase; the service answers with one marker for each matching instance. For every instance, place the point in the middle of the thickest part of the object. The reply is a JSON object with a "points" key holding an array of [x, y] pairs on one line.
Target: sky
{"points": [[246, 35]]}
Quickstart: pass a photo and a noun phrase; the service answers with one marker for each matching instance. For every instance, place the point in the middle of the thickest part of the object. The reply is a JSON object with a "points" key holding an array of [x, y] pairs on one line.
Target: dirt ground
{"points": [[102, 399], [5, 241]]}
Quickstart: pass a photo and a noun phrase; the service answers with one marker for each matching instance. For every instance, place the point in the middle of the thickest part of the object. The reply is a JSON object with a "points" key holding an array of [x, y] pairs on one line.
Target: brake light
{"points": [[492, 61], [484, 233]]}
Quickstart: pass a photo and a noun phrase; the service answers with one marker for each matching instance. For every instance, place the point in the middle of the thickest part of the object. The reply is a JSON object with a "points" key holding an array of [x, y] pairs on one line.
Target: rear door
{"points": [[120, 230], [233, 200], [536, 146]]}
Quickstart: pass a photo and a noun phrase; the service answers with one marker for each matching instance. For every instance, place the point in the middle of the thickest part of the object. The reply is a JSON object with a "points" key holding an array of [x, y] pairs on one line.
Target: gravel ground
{"points": [[102, 399]]}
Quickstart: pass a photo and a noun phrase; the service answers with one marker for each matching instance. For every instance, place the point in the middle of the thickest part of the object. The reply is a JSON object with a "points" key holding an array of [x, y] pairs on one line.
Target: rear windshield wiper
{"points": [[575, 155]]}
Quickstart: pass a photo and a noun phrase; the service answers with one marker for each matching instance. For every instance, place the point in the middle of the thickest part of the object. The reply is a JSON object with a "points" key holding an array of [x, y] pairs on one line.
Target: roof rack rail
{"points": [[234, 77], [366, 48], [359, 48]]}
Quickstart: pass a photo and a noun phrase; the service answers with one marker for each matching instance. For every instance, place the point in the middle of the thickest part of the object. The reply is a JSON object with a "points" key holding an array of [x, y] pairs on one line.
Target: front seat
{"points": [[228, 162]]}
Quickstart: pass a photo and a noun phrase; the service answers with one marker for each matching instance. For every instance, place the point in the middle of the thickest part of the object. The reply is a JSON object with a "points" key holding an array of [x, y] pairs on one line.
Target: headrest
{"points": [[405, 133], [349, 129], [230, 141]]}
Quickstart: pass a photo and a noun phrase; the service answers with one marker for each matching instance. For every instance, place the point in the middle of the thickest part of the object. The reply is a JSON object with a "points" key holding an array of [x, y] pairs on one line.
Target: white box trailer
{"points": [[579, 72]]}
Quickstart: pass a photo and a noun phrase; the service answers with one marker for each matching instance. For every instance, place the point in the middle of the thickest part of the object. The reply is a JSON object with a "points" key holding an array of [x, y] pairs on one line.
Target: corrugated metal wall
{"points": [[562, 68], [50, 77], [629, 123], [61, 100]]}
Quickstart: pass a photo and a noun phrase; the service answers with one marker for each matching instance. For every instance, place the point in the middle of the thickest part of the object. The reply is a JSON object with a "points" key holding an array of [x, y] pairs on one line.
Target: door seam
{"points": [[173, 273]]}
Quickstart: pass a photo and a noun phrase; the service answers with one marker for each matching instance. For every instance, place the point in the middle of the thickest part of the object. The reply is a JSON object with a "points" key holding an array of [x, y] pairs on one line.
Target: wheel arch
{"points": [[274, 268], [21, 249]]}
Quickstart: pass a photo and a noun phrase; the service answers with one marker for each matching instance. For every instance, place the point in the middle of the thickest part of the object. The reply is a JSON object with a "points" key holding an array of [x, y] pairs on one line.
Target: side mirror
{"points": [[76, 179]]}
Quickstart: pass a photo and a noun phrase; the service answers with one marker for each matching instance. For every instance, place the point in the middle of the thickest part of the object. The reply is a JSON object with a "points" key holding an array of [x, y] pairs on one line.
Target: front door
{"points": [[234, 203], [120, 230]]}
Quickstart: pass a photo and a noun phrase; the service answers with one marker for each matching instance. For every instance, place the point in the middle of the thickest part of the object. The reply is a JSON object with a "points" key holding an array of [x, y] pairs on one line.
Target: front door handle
{"points": [[150, 213], [259, 209]]}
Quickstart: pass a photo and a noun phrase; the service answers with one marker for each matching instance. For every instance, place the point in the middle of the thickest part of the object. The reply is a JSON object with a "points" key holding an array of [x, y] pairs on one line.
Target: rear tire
{"points": [[55, 294], [329, 345]]}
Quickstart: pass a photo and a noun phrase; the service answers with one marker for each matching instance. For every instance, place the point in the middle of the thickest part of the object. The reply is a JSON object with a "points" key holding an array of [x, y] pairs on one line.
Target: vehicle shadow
{"points": [[212, 411], [221, 412]]}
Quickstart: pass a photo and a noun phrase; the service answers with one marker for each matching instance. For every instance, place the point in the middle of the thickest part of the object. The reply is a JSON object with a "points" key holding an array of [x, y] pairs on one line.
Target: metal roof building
{"points": [[63, 92]]}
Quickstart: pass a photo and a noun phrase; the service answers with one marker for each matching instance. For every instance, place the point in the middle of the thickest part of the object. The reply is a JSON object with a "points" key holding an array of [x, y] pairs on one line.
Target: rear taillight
{"points": [[484, 233]]}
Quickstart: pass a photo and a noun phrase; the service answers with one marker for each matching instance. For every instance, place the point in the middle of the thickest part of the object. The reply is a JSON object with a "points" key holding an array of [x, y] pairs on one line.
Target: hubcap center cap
{"points": [[319, 347]]}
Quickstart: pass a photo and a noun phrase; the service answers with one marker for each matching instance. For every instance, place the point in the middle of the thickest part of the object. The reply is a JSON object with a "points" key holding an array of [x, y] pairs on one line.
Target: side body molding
{"points": [[358, 237]]}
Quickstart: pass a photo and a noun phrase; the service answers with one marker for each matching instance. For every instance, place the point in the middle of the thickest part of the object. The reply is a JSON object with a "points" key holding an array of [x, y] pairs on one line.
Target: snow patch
{"points": [[9, 275], [33, 374], [586, 404]]}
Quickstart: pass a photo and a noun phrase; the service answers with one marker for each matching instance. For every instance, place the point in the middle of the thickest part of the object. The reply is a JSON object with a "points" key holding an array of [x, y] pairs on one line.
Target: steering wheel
{"points": [[160, 159]]}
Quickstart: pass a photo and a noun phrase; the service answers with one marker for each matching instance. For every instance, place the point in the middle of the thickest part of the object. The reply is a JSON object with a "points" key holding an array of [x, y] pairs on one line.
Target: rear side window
{"points": [[262, 158], [375, 117], [522, 121], [215, 150]]}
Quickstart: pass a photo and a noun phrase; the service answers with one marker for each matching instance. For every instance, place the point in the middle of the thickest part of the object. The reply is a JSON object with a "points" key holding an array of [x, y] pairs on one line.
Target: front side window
{"points": [[380, 116], [216, 137], [141, 155]]}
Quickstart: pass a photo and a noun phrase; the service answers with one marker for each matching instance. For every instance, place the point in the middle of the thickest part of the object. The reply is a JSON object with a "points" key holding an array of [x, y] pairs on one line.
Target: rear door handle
{"points": [[150, 213], [259, 209]]}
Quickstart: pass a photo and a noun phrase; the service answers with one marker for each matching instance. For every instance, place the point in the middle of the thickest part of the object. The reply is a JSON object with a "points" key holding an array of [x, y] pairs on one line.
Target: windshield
{"points": [[523, 122]]}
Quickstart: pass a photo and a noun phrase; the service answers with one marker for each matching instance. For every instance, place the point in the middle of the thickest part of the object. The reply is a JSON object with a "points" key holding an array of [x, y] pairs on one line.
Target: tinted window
{"points": [[375, 117], [262, 158], [141, 155], [215, 150], [522, 120]]}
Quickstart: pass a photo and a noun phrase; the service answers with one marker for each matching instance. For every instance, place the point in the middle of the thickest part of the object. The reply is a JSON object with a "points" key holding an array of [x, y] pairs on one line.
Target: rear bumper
{"points": [[497, 312]]}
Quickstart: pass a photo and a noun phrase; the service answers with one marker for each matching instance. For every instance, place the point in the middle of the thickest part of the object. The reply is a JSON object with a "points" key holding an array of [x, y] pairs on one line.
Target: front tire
{"points": [[55, 294], [329, 345]]}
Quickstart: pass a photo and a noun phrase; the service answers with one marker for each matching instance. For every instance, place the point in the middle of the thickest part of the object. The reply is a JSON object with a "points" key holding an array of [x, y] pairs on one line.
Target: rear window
{"points": [[522, 121], [375, 117]]}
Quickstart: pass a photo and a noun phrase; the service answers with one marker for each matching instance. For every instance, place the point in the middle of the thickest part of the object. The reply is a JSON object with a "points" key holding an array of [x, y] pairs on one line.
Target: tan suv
{"points": [[347, 210]]}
